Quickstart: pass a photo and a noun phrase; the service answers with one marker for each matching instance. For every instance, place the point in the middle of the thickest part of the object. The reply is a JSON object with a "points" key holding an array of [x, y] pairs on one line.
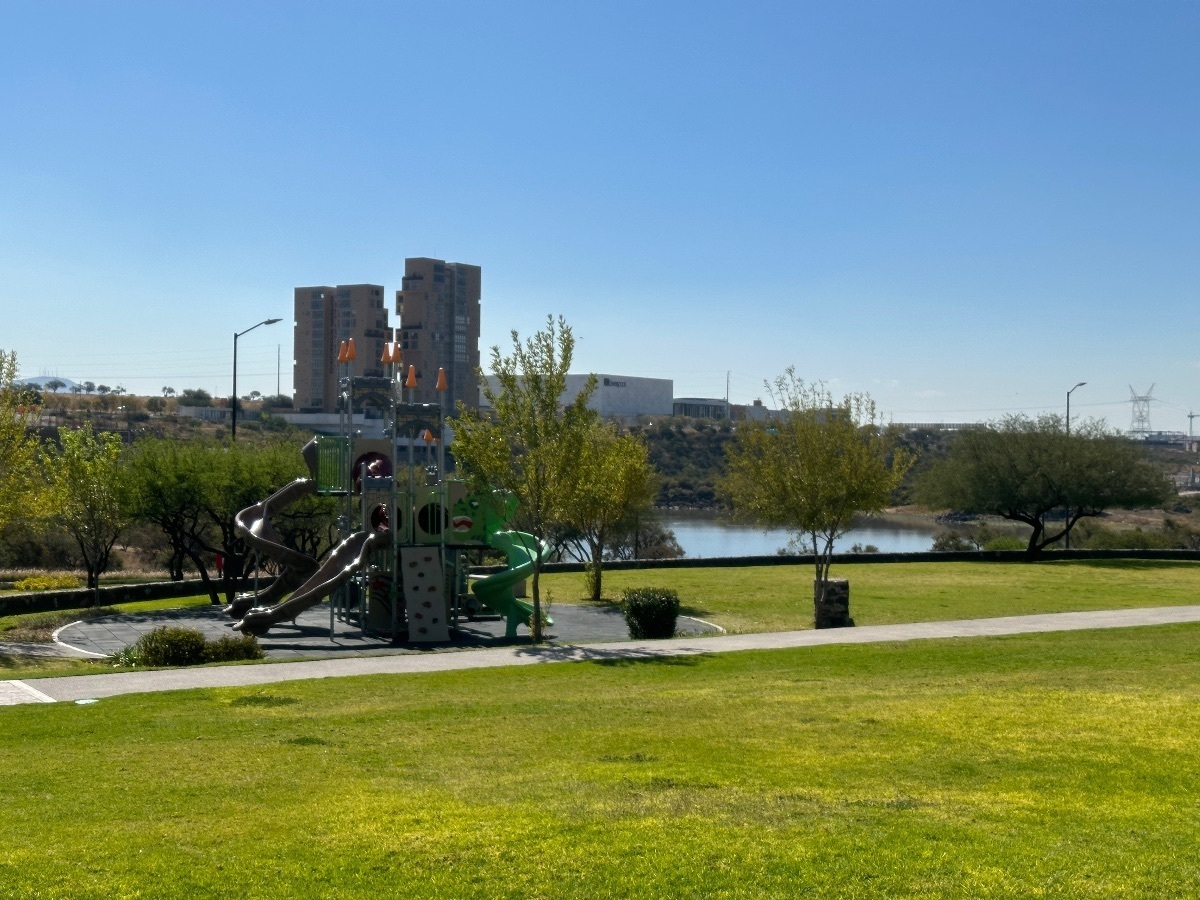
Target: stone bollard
{"points": [[834, 610]]}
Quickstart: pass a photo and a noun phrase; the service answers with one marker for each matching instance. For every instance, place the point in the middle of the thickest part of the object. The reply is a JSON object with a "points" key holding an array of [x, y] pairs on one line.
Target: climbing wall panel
{"points": [[424, 594]]}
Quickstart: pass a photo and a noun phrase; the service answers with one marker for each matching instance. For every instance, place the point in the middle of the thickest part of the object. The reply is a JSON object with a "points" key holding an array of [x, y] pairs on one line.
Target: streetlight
{"points": [[236, 335], [1066, 521], [1081, 384]]}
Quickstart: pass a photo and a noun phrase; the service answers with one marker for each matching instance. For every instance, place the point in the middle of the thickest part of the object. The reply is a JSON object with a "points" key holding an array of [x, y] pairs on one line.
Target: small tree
{"points": [[54, 385], [813, 468], [614, 482], [1030, 470], [531, 445], [86, 494], [18, 444]]}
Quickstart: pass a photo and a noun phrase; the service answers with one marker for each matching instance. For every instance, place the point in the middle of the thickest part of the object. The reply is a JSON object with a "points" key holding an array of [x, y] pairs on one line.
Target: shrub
{"points": [[230, 649], [46, 583], [185, 647], [953, 541], [170, 647], [1005, 542], [650, 612]]}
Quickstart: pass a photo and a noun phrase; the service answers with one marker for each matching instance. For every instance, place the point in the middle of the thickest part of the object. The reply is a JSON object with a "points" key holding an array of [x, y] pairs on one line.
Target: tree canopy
{"points": [[1031, 470], [529, 445], [18, 444], [813, 468], [614, 482], [86, 493]]}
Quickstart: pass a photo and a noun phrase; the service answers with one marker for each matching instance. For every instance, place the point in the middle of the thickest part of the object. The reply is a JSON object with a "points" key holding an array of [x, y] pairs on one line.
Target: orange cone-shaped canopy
{"points": [[411, 380], [441, 382], [342, 353], [427, 437], [350, 354]]}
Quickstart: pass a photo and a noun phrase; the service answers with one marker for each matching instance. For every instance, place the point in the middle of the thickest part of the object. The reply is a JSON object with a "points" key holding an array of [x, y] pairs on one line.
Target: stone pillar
{"points": [[834, 610]]}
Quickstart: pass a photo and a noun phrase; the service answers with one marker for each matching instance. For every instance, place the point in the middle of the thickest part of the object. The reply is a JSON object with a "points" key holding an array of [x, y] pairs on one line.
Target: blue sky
{"points": [[961, 208]]}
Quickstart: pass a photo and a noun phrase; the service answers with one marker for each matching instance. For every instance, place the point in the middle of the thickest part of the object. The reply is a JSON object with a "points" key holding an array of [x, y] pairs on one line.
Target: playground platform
{"points": [[309, 637]]}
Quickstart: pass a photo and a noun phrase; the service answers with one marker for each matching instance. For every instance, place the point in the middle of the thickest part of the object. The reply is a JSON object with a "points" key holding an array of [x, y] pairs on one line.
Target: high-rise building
{"points": [[326, 316], [438, 308]]}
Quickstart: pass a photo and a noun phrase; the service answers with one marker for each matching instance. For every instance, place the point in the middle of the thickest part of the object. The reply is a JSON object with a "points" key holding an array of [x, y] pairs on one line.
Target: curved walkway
{"points": [[93, 687]]}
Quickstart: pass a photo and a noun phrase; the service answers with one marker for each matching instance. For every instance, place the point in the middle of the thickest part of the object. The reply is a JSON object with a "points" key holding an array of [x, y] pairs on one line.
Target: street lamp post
{"points": [[234, 399], [1066, 522]]}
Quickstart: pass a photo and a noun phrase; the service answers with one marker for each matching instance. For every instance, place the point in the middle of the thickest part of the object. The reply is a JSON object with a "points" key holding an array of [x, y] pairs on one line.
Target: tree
{"points": [[192, 491], [166, 481], [812, 469], [89, 387], [1027, 470], [55, 385], [614, 482], [530, 445], [168, 391], [18, 444], [86, 494]]}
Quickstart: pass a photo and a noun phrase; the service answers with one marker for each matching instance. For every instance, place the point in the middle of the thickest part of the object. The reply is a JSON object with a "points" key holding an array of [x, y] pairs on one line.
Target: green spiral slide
{"points": [[496, 591]]}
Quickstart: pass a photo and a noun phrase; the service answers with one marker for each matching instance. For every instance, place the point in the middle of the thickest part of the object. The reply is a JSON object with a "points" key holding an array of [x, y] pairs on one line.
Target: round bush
{"points": [[650, 612], [170, 647]]}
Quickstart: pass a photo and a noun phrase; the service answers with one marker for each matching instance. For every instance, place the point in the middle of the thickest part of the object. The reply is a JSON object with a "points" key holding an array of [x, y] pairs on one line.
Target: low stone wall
{"points": [[1010, 556], [75, 598]]}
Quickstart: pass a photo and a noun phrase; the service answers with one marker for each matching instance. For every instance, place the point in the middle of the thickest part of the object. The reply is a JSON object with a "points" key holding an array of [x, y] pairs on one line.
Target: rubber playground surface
{"points": [[310, 635]]}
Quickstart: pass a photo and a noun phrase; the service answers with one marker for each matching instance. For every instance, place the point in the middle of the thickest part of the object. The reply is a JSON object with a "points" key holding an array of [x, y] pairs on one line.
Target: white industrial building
{"points": [[623, 397]]}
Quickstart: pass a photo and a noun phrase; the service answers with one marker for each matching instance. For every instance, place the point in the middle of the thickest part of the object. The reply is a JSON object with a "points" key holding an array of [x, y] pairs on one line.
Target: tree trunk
{"points": [[596, 573], [535, 624]]}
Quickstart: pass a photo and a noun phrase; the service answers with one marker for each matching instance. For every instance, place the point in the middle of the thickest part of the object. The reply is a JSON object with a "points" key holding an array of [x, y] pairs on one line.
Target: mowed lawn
{"points": [[1048, 765], [779, 598]]}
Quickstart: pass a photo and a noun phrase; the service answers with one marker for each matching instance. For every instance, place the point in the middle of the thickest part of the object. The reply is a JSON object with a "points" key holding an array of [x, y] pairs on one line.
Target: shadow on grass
{"points": [[626, 656], [1148, 565]]}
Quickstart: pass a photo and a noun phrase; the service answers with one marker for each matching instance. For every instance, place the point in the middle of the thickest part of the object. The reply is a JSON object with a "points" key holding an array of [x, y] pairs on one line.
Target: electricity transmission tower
{"points": [[1141, 412]]}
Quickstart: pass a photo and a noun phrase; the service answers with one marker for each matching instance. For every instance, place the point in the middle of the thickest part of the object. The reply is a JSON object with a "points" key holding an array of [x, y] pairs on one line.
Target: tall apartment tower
{"points": [[326, 316], [438, 308]]}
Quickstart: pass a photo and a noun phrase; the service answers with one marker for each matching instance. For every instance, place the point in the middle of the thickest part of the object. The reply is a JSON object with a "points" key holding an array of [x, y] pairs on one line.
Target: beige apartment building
{"points": [[438, 309], [326, 316]]}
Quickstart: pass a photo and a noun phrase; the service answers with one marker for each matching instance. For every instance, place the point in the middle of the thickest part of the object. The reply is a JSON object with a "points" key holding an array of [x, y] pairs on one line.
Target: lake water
{"points": [[704, 535]]}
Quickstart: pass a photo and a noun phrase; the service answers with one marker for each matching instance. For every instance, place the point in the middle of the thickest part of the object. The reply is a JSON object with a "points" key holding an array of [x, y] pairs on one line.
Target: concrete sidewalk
{"points": [[83, 687]]}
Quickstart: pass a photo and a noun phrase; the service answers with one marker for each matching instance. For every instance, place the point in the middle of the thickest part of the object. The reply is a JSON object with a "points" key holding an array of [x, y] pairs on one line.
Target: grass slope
{"points": [[779, 598], [1061, 764]]}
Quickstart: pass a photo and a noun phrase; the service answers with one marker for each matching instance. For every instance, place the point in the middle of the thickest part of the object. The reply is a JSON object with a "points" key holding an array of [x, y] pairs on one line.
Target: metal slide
{"points": [[496, 591], [349, 557], [254, 524]]}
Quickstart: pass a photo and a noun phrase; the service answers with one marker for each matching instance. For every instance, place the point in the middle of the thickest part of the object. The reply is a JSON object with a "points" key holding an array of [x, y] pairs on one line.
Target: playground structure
{"points": [[401, 567]]}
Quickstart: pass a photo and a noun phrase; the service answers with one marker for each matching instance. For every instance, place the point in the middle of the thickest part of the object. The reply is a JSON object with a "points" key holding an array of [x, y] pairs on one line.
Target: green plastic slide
{"points": [[496, 591]]}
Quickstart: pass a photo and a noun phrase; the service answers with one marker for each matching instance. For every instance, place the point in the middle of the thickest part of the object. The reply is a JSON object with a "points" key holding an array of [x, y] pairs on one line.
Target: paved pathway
{"points": [[89, 687]]}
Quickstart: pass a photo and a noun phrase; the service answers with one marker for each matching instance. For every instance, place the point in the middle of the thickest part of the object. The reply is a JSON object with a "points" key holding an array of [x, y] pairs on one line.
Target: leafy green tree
{"points": [[1030, 470], [813, 468], [86, 493], [167, 481], [18, 444], [54, 385], [530, 445], [614, 482], [192, 490]]}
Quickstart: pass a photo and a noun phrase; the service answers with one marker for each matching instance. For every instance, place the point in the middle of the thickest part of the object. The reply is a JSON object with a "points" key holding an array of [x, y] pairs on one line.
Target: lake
{"points": [[705, 535]]}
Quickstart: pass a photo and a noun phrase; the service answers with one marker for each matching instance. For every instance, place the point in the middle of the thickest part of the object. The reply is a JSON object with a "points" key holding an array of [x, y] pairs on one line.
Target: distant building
{"points": [[700, 408], [326, 316], [623, 397], [438, 309]]}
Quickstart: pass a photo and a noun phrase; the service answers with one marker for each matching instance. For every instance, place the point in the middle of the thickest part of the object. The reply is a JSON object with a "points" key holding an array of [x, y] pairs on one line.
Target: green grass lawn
{"points": [[779, 598], [1052, 765]]}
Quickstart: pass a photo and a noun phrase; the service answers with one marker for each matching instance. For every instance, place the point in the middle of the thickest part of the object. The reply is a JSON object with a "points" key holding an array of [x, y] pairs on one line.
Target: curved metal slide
{"points": [[349, 557], [254, 524], [496, 591]]}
